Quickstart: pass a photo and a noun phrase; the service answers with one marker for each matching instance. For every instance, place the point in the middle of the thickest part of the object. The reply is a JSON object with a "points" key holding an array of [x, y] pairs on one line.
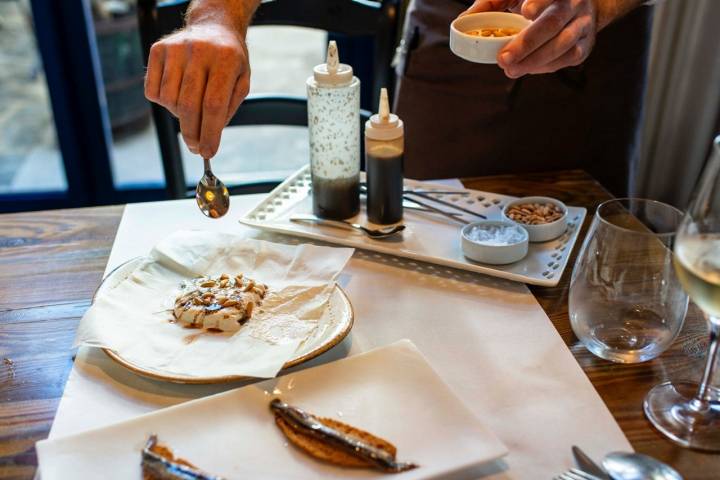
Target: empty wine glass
{"points": [[626, 303], [686, 412]]}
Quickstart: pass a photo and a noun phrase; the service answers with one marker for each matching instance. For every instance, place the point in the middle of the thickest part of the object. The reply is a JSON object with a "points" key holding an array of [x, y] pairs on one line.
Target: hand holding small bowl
{"points": [[557, 34], [475, 37]]}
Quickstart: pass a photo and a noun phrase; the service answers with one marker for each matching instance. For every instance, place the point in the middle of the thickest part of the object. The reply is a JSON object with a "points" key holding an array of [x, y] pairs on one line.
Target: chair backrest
{"points": [[376, 19]]}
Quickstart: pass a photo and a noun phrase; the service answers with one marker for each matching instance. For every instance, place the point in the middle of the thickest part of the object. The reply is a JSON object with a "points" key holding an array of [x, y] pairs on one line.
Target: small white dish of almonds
{"points": [[478, 37], [544, 218]]}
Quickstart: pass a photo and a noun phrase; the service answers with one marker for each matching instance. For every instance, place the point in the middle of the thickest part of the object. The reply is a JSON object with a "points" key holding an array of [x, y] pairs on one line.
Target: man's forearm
{"points": [[611, 10], [235, 13]]}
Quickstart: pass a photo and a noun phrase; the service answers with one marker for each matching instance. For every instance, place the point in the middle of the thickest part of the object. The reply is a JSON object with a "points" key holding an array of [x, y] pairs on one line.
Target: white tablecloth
{"points": [[488, 338]]}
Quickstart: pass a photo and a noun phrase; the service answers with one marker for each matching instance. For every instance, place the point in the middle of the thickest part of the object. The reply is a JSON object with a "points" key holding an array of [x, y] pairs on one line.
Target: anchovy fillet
{"points": [[161, 468], [308, 424]]}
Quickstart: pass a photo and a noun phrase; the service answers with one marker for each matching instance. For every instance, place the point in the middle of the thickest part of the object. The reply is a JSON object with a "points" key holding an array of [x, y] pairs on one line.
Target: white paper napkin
{"points": [[133, 317]]}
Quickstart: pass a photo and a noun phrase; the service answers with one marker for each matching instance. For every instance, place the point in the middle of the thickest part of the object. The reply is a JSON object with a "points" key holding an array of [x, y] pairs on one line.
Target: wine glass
{"points": [[626, 303], [685, 412]]}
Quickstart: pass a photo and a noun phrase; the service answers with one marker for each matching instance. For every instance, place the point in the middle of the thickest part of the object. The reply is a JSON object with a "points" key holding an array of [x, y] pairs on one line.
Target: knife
{"points": [[587, 465]]}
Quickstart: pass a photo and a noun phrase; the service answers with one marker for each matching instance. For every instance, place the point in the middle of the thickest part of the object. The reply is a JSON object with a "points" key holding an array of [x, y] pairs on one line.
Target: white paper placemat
{"points": [[390, 392], [487, 338]]}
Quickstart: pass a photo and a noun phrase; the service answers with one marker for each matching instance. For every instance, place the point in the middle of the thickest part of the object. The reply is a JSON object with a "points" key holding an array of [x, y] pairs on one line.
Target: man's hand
{"points": [[201, 75], [562, 34]]}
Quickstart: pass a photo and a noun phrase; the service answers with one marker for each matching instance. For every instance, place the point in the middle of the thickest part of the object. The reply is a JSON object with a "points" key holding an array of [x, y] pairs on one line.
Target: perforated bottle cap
{"points": [[384, 125], [332, 72]]}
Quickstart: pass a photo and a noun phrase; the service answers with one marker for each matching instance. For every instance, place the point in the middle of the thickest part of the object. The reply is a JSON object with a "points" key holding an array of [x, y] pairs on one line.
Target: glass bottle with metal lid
{"points": [[334, 127]]}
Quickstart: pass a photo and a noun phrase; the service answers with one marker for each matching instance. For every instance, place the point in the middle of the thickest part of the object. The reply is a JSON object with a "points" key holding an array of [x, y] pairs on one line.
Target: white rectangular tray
{"points": [[428, 237]]}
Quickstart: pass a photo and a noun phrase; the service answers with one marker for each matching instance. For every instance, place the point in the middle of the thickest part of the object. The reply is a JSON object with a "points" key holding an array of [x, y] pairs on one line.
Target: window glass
{"points": [[30, 159]]}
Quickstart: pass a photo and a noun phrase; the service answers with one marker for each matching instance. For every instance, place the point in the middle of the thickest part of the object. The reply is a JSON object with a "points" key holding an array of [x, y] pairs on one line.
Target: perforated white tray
{"points": [[428, 237]]}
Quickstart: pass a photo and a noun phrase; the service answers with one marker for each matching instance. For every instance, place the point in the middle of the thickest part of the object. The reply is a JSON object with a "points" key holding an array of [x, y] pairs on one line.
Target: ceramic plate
{"points": [[334, 326]]}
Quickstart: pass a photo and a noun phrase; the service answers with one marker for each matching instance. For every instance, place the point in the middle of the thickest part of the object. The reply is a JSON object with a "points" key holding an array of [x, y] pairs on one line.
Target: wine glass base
{"points": [[672, 409]]}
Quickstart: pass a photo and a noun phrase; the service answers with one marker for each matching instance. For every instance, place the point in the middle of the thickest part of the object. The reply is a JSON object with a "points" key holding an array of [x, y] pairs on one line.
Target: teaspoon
{"points": [[211, 194], [376, 233], [635, 466]]}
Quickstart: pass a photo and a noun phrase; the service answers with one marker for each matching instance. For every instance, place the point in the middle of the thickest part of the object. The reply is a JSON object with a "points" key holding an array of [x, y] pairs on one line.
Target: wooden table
{"points": [[52, 261]]}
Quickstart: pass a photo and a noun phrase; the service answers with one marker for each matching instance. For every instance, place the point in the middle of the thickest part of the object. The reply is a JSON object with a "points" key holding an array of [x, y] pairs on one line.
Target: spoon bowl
{"points": [[635, 466], [382, 232], [211, 194]]}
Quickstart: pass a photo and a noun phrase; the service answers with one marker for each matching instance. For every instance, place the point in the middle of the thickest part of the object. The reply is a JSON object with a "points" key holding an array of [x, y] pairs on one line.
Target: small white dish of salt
{"points": [[494, 242]]}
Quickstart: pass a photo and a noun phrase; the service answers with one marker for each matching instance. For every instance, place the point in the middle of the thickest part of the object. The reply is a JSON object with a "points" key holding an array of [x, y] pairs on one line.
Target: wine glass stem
{"points": [[703, 395]]}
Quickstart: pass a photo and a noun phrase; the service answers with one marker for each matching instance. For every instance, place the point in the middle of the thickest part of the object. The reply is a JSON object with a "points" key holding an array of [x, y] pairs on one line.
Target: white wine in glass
{"points": [[697, 262], [689, 413]]}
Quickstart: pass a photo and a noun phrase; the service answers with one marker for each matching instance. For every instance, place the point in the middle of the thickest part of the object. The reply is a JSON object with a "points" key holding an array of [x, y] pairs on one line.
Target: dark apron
{"points": [[464, 119]]}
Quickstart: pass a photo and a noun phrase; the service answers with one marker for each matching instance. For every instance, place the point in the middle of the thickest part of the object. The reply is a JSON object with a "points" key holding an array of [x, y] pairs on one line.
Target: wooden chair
{"points": [[378, 19]]}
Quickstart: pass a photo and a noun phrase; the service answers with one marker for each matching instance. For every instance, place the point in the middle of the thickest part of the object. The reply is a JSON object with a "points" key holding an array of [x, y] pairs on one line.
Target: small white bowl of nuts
{"points": [[478, 37], [544, 218]]}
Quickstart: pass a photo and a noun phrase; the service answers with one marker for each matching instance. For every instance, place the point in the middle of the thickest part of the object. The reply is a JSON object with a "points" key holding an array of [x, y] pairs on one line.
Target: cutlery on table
{"points": [[436, 192], [448, 204], [587, 465], [619, 466], [450, 215], [575, 474], [363, 190], [636, 466], [410, 205], [409, 194], [211, 194], [375, 233]]}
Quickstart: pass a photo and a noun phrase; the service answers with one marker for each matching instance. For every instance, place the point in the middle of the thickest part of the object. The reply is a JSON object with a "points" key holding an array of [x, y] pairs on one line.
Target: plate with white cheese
{"points": [[207, 307]]}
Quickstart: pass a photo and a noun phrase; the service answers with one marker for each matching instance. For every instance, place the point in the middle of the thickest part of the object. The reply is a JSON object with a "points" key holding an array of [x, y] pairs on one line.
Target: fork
{"points": [[575, 474]]}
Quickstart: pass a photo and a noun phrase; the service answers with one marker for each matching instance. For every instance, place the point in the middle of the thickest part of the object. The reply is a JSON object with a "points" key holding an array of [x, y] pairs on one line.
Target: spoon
{"points": [[211, 194], [376, 233], [635, 466]]}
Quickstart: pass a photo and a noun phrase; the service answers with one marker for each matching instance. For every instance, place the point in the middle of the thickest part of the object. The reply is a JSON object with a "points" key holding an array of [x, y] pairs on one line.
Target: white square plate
{"points": [[391, 392]]}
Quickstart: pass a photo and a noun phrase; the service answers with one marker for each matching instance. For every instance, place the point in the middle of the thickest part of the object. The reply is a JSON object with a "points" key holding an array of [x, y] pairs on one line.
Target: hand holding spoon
{"points": [[211, 194]]}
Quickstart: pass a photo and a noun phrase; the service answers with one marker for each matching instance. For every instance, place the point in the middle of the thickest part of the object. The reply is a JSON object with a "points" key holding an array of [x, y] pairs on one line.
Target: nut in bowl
{"points": [[478, 37], [544, 218]]}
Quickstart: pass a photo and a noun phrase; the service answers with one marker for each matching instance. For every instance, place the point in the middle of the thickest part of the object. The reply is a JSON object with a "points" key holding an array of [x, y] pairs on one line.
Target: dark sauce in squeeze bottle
{"points": [[384, 146]]}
